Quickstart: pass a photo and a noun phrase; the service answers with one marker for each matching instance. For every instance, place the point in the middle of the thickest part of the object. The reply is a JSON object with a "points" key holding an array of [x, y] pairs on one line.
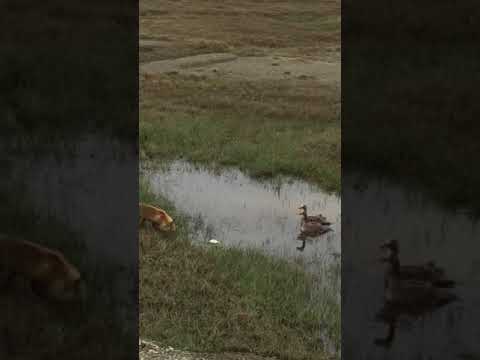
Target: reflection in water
{"points": [[240, 211], [441, 328]]}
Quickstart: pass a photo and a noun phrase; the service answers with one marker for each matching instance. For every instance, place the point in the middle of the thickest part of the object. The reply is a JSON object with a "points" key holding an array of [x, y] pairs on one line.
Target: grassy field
{"points": [[214, 299], [305, 27], [266, 127]]}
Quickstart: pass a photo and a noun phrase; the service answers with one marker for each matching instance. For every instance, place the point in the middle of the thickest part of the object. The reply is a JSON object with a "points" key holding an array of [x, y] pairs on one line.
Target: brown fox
{"points": [[50, 274], [159, 219]]}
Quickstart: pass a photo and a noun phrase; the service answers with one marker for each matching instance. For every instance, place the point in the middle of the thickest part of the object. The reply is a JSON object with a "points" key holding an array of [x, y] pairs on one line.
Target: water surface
{"points": [[377, 211], [240, 211]]}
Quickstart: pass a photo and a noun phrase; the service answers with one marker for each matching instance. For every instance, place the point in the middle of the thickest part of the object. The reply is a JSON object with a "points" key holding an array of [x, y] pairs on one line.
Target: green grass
{"points": [[264, 129], [214, 299]]}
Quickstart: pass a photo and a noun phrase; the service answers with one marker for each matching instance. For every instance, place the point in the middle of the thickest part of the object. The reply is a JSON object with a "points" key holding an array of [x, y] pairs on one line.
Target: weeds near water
{"points": [[266, 133]]}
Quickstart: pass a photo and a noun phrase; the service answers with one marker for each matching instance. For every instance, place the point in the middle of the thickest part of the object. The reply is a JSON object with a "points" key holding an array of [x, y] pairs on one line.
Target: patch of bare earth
{"points": [[149, 350], [229, 66]]}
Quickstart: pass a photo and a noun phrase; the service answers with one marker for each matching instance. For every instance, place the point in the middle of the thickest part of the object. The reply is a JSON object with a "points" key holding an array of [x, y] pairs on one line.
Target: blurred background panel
{"points": [[69, 184], [409, 145]]}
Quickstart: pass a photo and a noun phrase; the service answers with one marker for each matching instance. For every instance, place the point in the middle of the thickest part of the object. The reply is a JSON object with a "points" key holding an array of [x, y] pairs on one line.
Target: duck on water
{"points": [[311, 226], [411, 290], [415, 290], [428, 272], [315, 218]]}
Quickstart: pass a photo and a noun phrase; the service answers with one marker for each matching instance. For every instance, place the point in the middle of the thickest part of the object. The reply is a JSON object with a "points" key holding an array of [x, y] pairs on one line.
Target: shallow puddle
{"points": [[377, 211], [240, 211]]}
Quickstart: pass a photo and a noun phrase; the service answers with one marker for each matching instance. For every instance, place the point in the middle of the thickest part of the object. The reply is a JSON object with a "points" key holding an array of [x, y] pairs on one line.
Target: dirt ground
{"points": [[252, 68], [247, 40]]}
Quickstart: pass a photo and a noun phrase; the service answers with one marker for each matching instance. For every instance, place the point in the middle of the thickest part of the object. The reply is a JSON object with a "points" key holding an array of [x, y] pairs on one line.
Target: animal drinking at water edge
{"points": [[159, 219], [48, 271]]}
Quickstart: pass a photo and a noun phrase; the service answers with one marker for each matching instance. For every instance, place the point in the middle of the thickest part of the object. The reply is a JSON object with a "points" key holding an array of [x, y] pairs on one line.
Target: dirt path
{"points": [[151, 351], [228, 66]]}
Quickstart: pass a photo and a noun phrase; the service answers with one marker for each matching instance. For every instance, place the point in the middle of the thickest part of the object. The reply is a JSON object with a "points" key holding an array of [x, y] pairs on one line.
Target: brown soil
{"points": [[249, 68]]}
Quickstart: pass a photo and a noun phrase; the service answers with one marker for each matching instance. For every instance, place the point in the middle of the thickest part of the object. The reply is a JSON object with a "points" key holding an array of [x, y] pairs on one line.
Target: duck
{"points": [[410, 290], [428, 272], [407, 291], [312, 229], [317, 218]]}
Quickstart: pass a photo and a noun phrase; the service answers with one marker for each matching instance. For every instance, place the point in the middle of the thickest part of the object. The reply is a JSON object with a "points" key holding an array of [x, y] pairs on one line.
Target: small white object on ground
{"points": [[213, 241]]}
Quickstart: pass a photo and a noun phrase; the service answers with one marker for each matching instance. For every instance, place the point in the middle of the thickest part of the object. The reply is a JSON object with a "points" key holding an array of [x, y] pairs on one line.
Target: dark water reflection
{"points": [[376, 211], [240, 211]]}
